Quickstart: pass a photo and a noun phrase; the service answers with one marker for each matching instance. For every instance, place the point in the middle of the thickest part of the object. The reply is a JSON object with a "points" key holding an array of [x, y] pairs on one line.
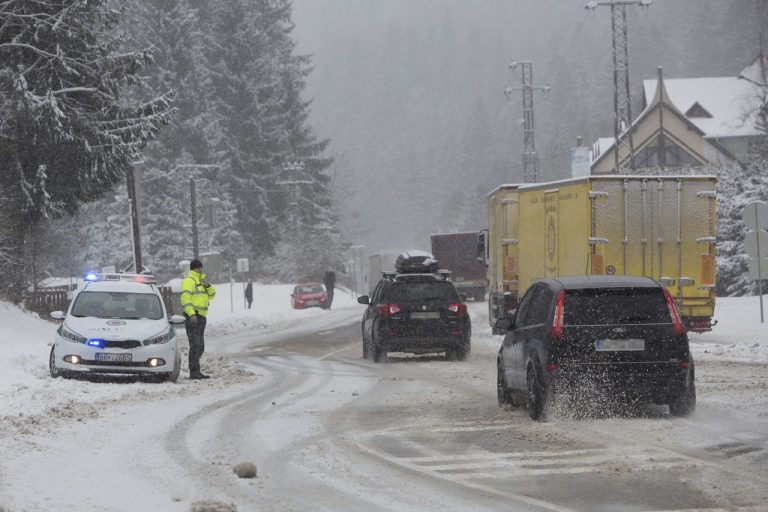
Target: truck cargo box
{"points": [[657, 226], [457, 252]]}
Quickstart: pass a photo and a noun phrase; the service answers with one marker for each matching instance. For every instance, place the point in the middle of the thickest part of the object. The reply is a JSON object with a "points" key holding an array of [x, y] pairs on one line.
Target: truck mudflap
{"points": [[698, 323]]}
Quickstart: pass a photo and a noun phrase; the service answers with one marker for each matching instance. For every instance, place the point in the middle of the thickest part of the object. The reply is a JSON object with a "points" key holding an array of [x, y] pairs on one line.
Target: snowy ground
{"points": [[37, 413], [26, 389]]}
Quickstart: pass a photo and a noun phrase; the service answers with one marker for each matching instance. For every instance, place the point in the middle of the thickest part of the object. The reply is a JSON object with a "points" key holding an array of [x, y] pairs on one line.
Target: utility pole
{"points": [[293, 190], [622, 110], [130, 181], [530, 157], [193, 201]]}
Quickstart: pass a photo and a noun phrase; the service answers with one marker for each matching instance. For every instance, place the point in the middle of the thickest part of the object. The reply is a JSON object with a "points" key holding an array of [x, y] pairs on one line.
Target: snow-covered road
{"points": [[330, 431]]}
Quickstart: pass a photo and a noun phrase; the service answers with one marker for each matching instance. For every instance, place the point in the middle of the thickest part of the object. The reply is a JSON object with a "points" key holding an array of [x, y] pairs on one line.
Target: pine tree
{"points": [[68, 131]]}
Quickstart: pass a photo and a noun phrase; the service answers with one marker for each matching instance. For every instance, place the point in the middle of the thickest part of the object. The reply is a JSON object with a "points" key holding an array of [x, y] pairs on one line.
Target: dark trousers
{"points": [[329, 293], [249, 302], [195, 333]]}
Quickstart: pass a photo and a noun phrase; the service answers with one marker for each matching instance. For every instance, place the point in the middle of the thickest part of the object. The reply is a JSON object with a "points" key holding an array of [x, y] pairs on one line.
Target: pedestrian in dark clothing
{"points": [[249, 293], [329, 280]]}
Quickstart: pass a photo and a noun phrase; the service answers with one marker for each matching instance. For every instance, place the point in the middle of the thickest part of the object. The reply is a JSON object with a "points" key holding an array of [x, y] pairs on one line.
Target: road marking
{"points": [[760, 508], [329, 354], [462, 481], [521, 464]]}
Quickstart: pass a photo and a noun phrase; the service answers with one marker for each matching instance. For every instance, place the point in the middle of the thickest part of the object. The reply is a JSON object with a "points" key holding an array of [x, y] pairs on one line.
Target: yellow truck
{"points": [[657, 226]]}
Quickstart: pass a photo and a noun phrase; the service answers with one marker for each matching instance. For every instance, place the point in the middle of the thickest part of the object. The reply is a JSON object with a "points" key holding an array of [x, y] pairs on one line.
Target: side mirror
{"points": [[503, 324], [176, 320], [364, 300], [463, 297], [58, 315]]}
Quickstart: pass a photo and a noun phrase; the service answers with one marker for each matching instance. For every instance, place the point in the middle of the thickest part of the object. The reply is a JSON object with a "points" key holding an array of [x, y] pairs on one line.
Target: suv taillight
{"points": [[457, 308], [677, 323], [388, 309], [557, 323]]}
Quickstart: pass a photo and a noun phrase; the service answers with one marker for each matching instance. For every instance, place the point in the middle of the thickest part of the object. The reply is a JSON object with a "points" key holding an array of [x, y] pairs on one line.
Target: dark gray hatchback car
{"points": [[619, 335]]}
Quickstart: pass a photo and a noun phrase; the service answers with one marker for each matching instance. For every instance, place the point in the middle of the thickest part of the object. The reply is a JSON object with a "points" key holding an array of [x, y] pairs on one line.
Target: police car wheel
{"points": [[55, 372]]}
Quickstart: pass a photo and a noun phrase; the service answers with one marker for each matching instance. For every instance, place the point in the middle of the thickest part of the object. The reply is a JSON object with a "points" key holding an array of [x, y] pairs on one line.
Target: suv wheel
{"points": [[503, 396], [462, 352], [536, 397], [378, 354], [685, 403]]}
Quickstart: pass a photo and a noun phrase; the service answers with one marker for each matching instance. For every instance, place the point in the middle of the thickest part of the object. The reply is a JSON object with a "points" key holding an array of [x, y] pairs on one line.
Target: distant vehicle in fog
{"points": [[309, 295], [457, 252]]}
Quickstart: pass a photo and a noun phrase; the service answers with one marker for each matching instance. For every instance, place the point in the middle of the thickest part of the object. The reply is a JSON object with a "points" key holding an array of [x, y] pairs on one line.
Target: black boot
{"points": [[198, 375]]}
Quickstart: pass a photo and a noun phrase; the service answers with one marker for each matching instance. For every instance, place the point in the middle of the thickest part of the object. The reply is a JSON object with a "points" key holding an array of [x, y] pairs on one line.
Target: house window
{"points": [[662, 152]]}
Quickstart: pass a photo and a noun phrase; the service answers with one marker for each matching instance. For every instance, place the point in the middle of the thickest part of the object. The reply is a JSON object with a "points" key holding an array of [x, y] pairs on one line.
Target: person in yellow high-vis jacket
{"points": [[196, 292]]}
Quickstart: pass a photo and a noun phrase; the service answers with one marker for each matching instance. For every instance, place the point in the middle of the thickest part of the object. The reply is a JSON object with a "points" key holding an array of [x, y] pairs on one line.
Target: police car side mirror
{"points": [[58, 315], [176, 320], [364, 299]]}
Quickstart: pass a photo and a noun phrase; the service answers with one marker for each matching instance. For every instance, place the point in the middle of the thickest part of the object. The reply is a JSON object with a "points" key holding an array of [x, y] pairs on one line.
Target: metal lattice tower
{"points": [[622, 109], [530, 157]]}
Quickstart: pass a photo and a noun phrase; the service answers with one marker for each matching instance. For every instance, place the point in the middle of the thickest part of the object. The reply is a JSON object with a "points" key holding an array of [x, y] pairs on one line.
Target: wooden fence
{"points": [[46, 301]]}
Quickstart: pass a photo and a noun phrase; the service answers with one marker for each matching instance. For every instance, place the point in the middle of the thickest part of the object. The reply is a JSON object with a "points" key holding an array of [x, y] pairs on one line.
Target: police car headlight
{"points": [[160, 338], [71, 335]]}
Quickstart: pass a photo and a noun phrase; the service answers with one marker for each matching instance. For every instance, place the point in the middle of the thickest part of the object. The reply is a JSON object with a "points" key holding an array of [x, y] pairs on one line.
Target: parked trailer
{"points": [[657, 226], [457, 252]]}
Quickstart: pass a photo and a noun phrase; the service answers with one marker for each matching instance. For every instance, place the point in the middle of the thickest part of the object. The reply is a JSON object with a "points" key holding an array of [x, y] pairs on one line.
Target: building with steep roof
{"points": [[690, 122]]}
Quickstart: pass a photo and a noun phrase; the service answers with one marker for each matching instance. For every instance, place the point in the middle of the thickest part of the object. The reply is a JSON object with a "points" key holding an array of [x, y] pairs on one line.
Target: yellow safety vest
{"points": [[195, 296]]}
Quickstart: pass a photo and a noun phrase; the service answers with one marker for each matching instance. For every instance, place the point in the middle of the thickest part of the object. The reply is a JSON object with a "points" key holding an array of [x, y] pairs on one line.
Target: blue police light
{"points": [[95, 343], [91, 277]]}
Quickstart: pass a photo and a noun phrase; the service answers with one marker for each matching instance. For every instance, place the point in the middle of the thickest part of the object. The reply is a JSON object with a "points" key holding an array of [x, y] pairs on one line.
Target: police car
{"points": [[117, 323]]}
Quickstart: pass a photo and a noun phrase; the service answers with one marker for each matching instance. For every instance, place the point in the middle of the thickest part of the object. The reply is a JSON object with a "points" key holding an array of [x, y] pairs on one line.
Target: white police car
{"points": [[117, 323]]}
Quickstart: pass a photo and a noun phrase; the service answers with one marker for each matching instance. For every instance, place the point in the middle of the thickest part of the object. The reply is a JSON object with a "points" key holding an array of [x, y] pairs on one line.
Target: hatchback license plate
{"points": [[425, 315], [610, 345], [312, 303], [109, 357]]}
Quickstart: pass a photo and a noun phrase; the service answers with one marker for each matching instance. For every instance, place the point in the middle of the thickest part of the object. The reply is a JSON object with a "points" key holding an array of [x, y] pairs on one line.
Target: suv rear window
{"points": [[421, 291], [616, 306]]}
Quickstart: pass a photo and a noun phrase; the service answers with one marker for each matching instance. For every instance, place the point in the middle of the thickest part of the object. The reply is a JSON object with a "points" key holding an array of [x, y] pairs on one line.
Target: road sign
{"points": [[755, 215], [755, 240], [242, 264]]}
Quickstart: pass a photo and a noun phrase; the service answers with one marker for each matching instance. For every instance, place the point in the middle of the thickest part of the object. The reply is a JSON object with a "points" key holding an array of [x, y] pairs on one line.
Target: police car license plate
{"points": [[110, 357], [609, 345]]}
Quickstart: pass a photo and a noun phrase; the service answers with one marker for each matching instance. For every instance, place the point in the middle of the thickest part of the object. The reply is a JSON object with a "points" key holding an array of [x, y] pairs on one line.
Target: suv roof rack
{"points": [[415, 262]]}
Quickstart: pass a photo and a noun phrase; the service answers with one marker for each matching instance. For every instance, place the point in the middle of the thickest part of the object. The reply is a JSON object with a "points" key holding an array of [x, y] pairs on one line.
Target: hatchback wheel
{"points": [[503, 396], [536, 397], [685, 403]]}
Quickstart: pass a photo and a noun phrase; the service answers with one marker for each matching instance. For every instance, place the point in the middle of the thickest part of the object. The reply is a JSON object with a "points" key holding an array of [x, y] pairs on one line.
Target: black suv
{"points": [[416, 313], [615, 335]]}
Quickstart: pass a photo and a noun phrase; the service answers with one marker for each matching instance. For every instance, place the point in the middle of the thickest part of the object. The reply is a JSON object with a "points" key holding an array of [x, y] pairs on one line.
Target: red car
{"points": [[308, 295]]}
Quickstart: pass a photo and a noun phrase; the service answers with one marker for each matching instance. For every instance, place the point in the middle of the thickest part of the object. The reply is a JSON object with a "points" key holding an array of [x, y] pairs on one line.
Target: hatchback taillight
{"points": [[457, 308], [388, 309], [677, 323], [557, 323]]}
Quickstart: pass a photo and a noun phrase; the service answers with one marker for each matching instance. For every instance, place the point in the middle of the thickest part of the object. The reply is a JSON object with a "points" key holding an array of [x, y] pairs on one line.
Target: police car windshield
{"points": [[125, 306]]}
